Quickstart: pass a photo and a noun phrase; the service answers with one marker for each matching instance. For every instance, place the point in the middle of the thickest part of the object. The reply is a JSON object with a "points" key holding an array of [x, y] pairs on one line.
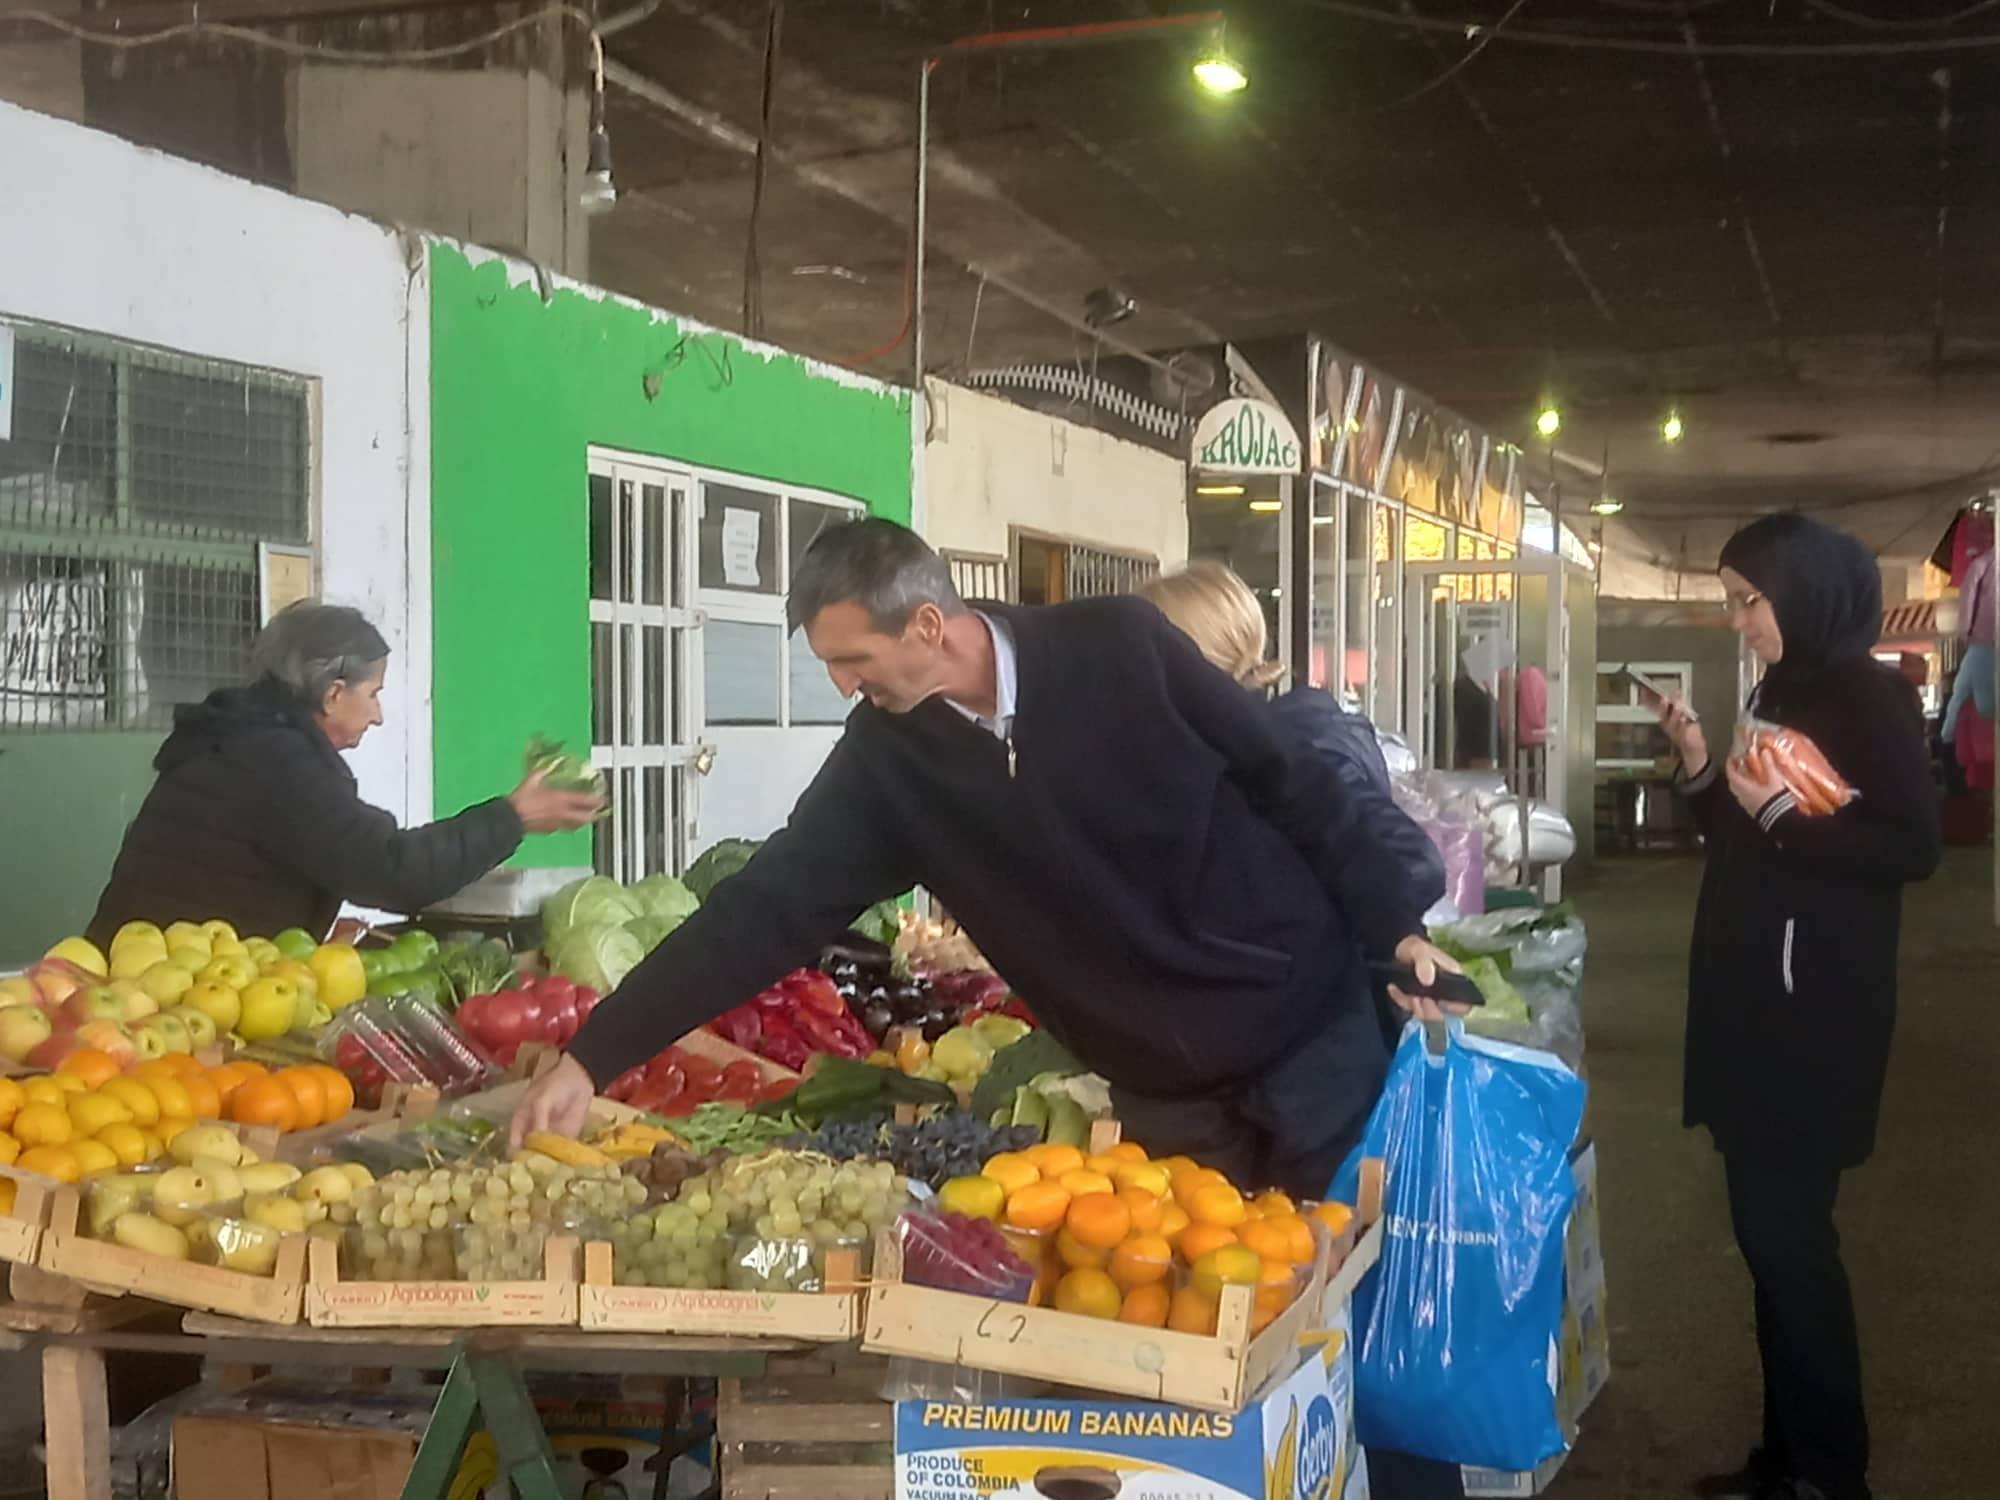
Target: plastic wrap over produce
{"points": [[1451, 823], [1529, 967], [1456, 1330]]}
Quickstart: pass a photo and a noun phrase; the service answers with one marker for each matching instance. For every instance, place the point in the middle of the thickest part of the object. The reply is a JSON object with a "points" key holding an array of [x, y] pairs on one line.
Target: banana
{"points": [[633, 1138], [561, 1148], [479, 1468]]}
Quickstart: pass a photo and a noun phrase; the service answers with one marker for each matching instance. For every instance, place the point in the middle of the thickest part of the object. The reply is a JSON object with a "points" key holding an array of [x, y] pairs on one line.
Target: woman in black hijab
{"points": [[1792, 988]]}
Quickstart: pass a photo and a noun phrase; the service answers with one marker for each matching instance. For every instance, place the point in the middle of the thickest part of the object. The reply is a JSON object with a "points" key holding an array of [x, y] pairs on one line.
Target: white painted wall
{"points": [[991, 465], [137, 245]]}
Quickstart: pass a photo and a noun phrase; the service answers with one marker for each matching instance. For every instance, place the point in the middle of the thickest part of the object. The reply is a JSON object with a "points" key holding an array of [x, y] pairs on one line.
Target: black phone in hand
{"points": [[1446, 989]]}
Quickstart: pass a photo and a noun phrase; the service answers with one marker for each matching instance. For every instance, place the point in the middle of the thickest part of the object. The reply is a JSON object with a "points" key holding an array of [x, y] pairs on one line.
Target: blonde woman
{"points": [[1217, 611]]}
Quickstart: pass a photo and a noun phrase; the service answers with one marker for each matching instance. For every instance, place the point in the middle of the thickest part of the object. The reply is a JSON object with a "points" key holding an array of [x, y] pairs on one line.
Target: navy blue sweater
{"points": [[1175, 883]]}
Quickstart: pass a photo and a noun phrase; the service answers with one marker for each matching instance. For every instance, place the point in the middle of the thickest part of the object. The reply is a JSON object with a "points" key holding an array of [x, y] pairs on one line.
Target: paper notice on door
{"points": [[740, 532]]}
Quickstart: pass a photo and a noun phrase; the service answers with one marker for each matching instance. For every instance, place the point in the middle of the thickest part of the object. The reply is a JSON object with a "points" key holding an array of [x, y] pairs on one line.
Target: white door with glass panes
{"points": [[645, 720]]}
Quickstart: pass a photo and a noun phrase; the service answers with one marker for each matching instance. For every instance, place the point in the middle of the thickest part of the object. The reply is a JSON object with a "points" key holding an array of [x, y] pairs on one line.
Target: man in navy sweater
{"points": [[1181, 890]]}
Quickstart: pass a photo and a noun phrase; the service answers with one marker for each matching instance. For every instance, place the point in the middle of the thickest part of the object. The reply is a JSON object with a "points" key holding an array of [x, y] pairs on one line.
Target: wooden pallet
{"points": [[333, 1302], [94, 1266], [814, 1428], [1217, 1372], [832, 1316]]}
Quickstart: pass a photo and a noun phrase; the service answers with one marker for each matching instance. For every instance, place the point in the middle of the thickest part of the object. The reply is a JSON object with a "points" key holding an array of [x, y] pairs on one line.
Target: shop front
{"points": [[1397, 553]]}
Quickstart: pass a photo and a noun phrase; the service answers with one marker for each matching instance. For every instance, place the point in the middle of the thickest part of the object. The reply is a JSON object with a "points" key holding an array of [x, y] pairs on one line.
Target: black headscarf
{"points": [[1824, 587]]}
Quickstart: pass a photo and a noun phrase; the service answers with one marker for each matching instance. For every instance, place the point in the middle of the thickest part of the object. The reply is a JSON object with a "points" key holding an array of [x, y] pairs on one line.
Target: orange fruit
{"points": [[1127, 1151], [1177, 1164], [1052, 1160], [1147, 1305], [1335, 1216], [182, 1064], [228, 1078], [1011, 1170], [1271, 1202], [135, 1096], [265, 1101], [1226, 1265], [1198, 1240], [1098, 1220], [58, 1162], [1269, 1240], [339, 1091], [1076, 1255], [1104, 1165], [310, 1090], [172, 1095], [1089, 1292], [1035, 1246], [157, 1067], [43, 1125], [1191, 1312], [1277, 1284], [1216, 1203], [1083, 1180], [1146, 1210], [92, 1064], [1141, 1261], [204, 1095], [1300, 1247], [1173, 1220], [1039, 1205], [1144, 1174]]}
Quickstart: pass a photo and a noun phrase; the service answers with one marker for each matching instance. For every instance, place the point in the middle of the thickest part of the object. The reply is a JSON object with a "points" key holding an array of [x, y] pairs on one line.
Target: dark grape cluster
{"points": [[932, 1151]]}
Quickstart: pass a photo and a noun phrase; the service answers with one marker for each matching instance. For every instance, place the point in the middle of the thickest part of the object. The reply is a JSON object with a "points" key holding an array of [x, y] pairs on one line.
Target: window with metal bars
{"points": [[135, 492], [1048, 570], [977, 576]]}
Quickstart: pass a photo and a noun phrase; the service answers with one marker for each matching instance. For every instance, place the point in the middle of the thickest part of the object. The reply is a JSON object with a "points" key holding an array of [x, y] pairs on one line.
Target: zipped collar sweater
{"points": [[1177, 886]]}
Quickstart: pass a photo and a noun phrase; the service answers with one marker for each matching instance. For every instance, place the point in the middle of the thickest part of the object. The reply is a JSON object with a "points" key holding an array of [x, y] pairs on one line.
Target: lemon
{"points": [[1231, 1265], [975, 1197]]}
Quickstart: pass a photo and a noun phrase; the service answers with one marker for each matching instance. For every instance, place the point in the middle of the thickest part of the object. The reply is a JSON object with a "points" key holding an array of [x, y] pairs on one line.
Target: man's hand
{"points": [[1429, 961], [546, 809], [556, 1101]]}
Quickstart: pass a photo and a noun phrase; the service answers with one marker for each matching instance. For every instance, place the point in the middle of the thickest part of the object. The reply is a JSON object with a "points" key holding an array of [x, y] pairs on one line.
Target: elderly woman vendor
{"points": [[255, 817]]}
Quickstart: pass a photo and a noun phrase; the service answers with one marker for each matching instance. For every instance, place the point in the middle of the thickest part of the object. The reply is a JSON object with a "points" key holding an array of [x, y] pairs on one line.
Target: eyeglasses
{"points": [[1741, 604]]}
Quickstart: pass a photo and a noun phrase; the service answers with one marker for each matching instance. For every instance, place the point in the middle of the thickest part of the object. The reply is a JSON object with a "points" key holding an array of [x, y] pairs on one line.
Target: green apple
{"points": [[171, 1031], [296, 943], [200, 1025], [133, 995]]}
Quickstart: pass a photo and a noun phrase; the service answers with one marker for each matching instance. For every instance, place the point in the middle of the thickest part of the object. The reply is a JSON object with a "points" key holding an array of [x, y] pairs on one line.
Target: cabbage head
{"points": [[600, 957], [665, 899], [717, 863], [594, 901], [650, 930]]}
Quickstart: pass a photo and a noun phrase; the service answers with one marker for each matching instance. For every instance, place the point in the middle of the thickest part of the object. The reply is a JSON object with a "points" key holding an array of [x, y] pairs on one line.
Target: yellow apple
{"points": [[135, 998], [187, 935], [233, 971], [221, 1003], [83, 954], [135, 958], [218, 932], [133, 932], [269, 1008], [167, 983]]}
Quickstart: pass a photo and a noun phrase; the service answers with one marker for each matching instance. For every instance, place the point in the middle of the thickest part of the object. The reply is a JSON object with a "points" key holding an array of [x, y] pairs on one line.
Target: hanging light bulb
{"points": [[599, 193], [1216, 71], [1549, 420], [1673, 429], [1604, 505]]}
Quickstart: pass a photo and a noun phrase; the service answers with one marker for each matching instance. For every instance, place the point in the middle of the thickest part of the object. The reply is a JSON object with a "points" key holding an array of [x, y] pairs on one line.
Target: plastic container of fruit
{"points": [[955, 1253], [363, 1045], [453, 1061], [772, 1263], [186, 1213], [237, 1244]]}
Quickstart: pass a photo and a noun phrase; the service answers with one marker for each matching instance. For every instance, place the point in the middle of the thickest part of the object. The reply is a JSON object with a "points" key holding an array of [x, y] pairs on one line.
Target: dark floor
{"points": [[1921, 1221]]}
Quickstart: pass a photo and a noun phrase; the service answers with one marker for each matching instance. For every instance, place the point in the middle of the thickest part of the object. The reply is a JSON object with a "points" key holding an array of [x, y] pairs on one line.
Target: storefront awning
{"points": [[1910, 622]]}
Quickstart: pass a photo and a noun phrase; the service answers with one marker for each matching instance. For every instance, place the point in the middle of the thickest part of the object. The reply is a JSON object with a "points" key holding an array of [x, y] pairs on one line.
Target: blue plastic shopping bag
{"points": [[1458, 1328]]}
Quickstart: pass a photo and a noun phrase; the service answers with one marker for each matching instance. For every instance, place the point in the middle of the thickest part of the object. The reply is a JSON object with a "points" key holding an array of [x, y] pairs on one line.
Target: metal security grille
{"points": [[1091, 571], [977, 576], [134, 493]]}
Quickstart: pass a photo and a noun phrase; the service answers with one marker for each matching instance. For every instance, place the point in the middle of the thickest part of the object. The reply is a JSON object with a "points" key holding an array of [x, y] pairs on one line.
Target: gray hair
{"points": [[886, 569], [310, 646]]}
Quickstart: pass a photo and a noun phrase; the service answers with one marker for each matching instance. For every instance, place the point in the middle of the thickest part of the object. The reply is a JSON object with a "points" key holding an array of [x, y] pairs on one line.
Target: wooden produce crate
{"points": [[814, 1428], [551, 1302], [21, 1228], [113, 1270], [831, 1316], [1217, 1372]]}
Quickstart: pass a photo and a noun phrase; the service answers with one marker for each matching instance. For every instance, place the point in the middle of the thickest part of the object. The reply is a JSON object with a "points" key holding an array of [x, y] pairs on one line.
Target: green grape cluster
{"points": [[758, 1223]]}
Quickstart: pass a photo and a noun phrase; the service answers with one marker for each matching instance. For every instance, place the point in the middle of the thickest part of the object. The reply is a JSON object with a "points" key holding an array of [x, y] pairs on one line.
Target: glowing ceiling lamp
{"points": [[1218, 72], [1673, 429], [1606, 506], [1549, 420]]}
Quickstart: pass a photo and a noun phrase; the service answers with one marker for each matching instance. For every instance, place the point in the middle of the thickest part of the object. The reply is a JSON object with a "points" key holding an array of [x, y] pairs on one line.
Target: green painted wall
{"points": [[520, 390]]}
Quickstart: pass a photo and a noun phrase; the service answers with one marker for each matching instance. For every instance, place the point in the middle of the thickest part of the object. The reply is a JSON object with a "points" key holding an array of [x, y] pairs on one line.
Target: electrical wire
{"points": [[1884, 23], [1487, 34], [1586, 42], [251, 36]]}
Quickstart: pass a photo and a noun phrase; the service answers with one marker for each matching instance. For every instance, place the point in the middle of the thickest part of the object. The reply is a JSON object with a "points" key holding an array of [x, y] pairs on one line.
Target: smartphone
{"points": [[1446, 989], [1647, 685]]}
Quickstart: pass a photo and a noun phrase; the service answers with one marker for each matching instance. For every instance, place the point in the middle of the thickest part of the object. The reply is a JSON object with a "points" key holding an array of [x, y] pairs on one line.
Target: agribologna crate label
{"points": [[1295, 1444]]}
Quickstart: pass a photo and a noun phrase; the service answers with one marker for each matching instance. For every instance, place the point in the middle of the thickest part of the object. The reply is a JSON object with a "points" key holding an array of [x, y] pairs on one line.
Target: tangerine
{"points": [[1090, 1293], [1098, 1220], [1300, 1247], [1147, 1211], [1268, 1239], [182, 1064], [1198, 1240], [1011, 1170], [1173, 1219], [1216, 1203], [1141, 1261], [1191, 1312], [172, 1095], [1277, 1285], [1039, 1205], [1127, 1151], [1052, 1160], [92, 1064], [1271, 1201], [230, 1077], [339, 1091], [265, 1101], [1083, 1181], [1147, 1305], [310, 1090], [1335, 1216], [1144, 1174], [204, 1095], [1076, 1255], [1226, 1265]]}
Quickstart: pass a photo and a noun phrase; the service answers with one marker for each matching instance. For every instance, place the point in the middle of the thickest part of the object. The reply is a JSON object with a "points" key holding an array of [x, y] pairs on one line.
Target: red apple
{"points": [[51, 1053], [110, 1038], [96, 1003]]}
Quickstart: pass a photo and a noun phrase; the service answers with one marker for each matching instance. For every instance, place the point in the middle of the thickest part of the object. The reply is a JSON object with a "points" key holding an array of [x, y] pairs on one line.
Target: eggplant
{"points": [[863, 952], [937, 1022], [878, 1018]]}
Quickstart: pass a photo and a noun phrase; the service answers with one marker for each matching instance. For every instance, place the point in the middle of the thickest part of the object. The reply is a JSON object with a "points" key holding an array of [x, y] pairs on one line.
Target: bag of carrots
{"points": [[1772, 750]]}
